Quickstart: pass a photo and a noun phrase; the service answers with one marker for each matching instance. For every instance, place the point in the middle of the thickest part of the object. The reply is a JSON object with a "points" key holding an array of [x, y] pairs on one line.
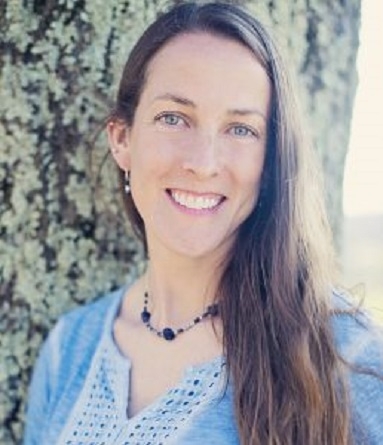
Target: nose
{"points": [[202, 157]]}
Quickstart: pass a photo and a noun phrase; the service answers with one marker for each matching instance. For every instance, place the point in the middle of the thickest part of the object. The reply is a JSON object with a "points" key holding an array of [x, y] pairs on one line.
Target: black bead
{"points": [[213, 310], [145, 316], [168, 334]]}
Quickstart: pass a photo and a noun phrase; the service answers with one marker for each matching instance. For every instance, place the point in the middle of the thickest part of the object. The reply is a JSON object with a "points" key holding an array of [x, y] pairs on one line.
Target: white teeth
{"points": [[194, 202]]}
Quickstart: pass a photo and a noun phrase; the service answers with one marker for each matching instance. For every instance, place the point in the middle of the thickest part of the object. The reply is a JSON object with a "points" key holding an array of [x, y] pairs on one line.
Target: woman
{"points": [[233, 334]]}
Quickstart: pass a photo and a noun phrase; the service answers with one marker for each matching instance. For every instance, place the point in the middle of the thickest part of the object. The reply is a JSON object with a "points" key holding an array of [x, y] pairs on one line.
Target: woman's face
{"points": [[196, 148]]}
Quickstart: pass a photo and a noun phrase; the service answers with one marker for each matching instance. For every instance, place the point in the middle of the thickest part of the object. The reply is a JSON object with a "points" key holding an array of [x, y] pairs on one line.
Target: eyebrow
{"points": [[247, 112], [187, 102], [177, 99]]}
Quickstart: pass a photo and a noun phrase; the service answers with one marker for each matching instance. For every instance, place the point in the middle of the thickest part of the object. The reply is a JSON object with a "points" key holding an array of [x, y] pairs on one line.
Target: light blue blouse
{"points": [[80, 386]]}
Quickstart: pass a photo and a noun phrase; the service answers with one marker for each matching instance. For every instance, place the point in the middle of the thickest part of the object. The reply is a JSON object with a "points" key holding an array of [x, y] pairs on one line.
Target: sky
{"points": [[363, 185]]}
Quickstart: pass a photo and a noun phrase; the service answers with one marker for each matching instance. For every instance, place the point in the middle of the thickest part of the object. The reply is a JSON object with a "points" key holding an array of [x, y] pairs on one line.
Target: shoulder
{"points": [[358, 337], [63, 363], [359, 341], [80, 329], [77, 333], [91, 316]]}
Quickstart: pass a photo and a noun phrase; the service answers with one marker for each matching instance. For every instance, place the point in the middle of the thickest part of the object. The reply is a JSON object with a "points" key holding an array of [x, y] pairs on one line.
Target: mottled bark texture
{"points": [[63, 238]]}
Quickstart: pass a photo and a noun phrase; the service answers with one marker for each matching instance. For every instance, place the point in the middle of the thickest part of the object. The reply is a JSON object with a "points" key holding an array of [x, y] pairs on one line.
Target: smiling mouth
{"points": [[196, 201]]}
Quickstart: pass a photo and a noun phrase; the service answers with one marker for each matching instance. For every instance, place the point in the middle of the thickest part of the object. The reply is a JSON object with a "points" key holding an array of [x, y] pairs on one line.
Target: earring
{"points": [[127, 182]]}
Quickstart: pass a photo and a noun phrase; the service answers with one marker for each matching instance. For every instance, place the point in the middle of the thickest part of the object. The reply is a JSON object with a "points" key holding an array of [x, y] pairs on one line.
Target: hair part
{"points": [[287, 377]]}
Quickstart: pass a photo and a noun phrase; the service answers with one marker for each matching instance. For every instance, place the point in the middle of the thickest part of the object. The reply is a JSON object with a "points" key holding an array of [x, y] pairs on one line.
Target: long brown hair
{"points": [[281, 359]]}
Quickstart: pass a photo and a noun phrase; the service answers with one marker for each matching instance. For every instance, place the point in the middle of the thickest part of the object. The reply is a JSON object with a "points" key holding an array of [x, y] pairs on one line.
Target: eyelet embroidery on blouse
{"points": [[161, 421], [98, 418], [95, 418]]}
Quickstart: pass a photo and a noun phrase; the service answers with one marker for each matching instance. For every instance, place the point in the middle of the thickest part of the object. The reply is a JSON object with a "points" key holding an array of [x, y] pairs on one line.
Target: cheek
{"points": [[153, 151], [249, 169], [249, 180]]}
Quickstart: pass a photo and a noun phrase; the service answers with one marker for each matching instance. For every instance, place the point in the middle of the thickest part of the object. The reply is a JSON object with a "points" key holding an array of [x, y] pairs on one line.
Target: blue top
{"points": [[80, 386]]}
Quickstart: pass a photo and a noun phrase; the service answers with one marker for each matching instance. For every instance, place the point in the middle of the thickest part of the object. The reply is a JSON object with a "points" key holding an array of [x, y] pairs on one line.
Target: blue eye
{"points": [[242, 131], [171, 119]]}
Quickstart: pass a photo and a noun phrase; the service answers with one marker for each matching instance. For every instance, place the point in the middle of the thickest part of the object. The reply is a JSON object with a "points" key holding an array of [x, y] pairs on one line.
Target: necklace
{"points": [[169, 333]]}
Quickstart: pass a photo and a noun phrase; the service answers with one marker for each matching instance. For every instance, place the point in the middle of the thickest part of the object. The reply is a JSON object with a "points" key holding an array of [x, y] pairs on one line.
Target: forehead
{"points": [[197, 61], [204, 43]]}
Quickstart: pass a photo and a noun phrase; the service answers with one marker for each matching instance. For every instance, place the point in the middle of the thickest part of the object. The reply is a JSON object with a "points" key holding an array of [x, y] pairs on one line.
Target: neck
{"points": [[179, 289]]}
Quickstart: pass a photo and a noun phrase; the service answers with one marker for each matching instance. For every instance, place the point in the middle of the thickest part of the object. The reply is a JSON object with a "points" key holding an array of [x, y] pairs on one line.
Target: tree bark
{"points": [[63, 237]]}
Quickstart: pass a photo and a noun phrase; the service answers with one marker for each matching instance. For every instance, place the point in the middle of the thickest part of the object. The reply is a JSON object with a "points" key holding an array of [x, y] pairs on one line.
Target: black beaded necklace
{"points": [[169, 333]]}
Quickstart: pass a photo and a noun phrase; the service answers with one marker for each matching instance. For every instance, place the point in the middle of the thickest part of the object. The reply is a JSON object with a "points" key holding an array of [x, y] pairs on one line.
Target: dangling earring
{"points": [[127, 182]]}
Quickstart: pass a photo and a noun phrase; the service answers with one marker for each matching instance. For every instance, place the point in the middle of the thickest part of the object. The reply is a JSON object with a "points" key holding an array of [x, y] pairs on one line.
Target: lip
{"points": [[195, 203]]}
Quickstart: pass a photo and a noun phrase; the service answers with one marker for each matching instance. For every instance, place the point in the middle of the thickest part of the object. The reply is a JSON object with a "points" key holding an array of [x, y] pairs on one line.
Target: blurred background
{"points": [[362, 256]]}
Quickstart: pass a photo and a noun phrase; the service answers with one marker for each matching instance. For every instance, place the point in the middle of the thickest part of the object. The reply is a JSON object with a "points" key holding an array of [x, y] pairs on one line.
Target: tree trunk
{"points": [[63, 236]]}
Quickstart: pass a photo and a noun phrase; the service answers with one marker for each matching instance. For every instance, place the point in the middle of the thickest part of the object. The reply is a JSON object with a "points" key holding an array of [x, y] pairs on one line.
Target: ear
{"points": [[118, 137]]}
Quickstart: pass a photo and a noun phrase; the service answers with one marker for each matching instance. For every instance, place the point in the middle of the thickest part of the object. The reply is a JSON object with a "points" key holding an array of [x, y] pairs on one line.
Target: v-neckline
{"points": [[124, 364]]}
